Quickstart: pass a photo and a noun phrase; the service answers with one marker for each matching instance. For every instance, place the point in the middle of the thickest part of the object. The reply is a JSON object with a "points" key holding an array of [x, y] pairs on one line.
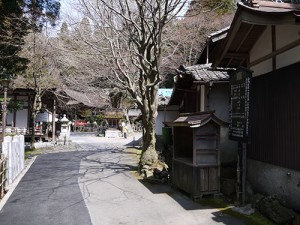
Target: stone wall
{"points": [[276, 181]]}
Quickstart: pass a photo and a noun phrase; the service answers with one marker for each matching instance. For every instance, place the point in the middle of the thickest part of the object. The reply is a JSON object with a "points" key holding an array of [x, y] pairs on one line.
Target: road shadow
{"points": [[135, 142], [184, 200], [112, 161], [180, 197]]}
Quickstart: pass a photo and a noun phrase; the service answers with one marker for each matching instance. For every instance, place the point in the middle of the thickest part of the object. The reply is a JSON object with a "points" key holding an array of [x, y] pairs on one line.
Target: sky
{"points": [[69, 14], [67, 5], [68, 8]]}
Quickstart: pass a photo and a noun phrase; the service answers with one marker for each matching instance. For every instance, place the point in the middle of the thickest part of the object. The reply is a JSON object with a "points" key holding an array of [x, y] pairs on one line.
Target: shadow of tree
{"points": [[49, 193], [184, 200]]}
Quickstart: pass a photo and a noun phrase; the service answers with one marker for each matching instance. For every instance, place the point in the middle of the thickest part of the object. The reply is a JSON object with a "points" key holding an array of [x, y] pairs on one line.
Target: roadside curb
{"points": [[12, 186]]}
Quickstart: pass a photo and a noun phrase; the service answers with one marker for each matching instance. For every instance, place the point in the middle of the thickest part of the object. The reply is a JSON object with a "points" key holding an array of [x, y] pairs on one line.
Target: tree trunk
{"points": [[149, 153], [35, 109], [149, 114], [33, 116]]}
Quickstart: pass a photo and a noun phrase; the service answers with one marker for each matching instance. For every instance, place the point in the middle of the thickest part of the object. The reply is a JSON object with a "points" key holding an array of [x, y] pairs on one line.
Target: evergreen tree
{"points": [[64, 30], [16, 17], [13, 28], [41, 11]]}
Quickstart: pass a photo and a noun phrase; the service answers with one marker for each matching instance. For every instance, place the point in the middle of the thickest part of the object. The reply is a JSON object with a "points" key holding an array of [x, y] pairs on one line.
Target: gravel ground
{"points": [[75, 144]]}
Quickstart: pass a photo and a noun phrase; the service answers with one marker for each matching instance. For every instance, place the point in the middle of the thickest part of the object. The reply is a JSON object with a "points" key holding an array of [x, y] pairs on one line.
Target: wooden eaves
{"points": [[195, 120], [247, 26]]}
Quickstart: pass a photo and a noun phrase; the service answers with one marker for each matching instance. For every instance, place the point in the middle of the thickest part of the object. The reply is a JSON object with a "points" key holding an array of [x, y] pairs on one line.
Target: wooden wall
{"points": [[275, 118]]}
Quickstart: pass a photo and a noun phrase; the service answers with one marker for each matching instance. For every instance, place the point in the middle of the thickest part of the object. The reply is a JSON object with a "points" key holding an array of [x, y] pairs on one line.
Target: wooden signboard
{"points": [[239, 108]]}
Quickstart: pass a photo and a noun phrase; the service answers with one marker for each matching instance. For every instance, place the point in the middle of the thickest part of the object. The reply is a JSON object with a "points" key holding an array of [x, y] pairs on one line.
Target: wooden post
{"points": [[244, 168], [238, 174], [4, 113], [3, 170], [75, 126], [1, 176], [53, 121], [241, 173]]}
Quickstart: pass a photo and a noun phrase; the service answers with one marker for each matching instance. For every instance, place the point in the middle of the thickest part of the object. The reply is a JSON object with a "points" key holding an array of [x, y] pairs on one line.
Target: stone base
{"points": [[112, 133]]}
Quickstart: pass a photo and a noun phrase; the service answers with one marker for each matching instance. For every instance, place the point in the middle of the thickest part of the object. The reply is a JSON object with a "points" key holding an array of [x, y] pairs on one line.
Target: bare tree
{"points": [[80, 65], [41, 74], [187, 36], [124, 51]]}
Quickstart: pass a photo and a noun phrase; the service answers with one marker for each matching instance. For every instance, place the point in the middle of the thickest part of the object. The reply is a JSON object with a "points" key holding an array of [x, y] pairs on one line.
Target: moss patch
{"points": [[226, 208], [133, 150], [136, 152], [32, 152]]}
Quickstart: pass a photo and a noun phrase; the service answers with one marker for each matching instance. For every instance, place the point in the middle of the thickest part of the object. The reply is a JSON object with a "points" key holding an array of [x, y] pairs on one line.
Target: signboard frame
{"points": [[240, 95]]}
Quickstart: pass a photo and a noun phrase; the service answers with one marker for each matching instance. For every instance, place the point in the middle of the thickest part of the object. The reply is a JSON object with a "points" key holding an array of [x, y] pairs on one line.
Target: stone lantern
{"points": [[65, 129]]}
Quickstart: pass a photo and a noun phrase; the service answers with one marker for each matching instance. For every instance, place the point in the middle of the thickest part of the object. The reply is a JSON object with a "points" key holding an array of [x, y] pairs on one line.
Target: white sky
{"points": [[68, 8], [69, 13]]}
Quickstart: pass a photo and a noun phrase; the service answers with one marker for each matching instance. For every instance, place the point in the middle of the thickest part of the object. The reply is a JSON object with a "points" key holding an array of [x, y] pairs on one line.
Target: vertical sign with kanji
{"points": [[240, 83]]}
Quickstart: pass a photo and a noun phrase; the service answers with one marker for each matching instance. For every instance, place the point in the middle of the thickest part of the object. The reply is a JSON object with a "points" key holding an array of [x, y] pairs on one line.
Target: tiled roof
{"points": [[218, 35], [113, 114], [203, 72], [197, 119], [134, 112], [88, 99]]}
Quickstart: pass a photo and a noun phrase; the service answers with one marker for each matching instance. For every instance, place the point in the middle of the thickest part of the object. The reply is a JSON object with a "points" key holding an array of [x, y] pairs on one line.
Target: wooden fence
{"points": [[3, 170]]}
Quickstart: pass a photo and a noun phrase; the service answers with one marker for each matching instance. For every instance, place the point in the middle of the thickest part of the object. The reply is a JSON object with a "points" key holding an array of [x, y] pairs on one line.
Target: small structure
{"points": [[43, 129], [198, 88], [133, 115], [196, 160], [22, 98], [113, 117], [65, 129]]}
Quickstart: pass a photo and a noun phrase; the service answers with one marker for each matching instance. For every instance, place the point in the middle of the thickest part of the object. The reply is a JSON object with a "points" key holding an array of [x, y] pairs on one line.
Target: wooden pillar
{"points": [[202, 98], [75, 124], [53, 121], [4, 111], [274, 48], [241, 173], [244, 168], [15, 113]]}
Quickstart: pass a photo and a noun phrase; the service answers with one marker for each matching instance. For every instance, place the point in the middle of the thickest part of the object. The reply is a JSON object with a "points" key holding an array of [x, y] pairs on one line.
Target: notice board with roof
{"points": [[196, 157], [240, 84]]}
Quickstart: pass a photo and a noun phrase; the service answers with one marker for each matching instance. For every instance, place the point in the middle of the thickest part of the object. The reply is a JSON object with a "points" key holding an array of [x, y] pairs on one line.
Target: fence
{"points": [[137, 128], [13, 149], [3, 170]]}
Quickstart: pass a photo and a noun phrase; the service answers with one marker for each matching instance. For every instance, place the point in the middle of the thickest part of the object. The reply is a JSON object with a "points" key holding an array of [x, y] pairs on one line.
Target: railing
{"points": [[15, 130], [3, 171], [137, 128]]}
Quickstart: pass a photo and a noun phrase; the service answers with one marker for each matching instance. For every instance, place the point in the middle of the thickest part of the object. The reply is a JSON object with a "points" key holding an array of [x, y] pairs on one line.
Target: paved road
{"points": [[95, 184]]}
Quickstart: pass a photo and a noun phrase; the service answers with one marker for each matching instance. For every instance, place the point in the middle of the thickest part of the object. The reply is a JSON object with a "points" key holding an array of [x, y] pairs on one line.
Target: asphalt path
{"points": [[95, 184], [48, 193]]}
